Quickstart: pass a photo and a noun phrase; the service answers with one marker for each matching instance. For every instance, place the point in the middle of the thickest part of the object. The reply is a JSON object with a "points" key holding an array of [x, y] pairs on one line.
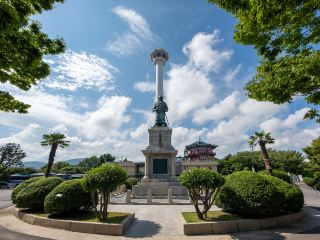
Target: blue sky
{"points": [[101, 90]]}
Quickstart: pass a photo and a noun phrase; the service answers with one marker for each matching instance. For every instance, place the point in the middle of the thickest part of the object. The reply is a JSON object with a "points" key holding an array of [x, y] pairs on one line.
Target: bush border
{"points": [[114, 229], [242, 225]]}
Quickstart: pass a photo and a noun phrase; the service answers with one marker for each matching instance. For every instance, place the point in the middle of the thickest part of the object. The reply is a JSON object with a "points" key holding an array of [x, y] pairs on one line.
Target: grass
{"points": [[192, 217], [113, 217]]}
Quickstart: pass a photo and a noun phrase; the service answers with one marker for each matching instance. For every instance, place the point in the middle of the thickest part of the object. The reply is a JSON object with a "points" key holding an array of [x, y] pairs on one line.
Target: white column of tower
{"points": [[159, 79]]}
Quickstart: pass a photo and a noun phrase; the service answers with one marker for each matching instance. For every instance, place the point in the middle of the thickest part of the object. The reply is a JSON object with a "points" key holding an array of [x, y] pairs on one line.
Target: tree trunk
{"points": [[51, 158], [199, 213], [266, 158]]}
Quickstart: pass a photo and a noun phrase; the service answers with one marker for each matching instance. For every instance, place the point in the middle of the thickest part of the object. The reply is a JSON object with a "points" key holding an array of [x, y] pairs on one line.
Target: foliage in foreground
{"points": [[23, 46], [32, 196], [249, 194], [22, 185], [285, 34], [69, 196], [104, 179], [202, 185]]}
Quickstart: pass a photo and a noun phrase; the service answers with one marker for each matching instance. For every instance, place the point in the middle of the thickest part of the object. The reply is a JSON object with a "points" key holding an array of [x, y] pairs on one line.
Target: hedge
{"points": [[33, 195], [131, 181], [293, 196], [279, 174], [22, 185], [68, 196], [249, 194], [309, 181]]}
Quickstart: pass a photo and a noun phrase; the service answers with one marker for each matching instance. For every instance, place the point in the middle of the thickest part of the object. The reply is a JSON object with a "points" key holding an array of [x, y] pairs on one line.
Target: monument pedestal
{"points": [[160, 174]]}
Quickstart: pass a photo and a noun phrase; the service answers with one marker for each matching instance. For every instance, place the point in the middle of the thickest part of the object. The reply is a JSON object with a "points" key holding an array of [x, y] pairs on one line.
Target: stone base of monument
{"points": [[159, 188]]}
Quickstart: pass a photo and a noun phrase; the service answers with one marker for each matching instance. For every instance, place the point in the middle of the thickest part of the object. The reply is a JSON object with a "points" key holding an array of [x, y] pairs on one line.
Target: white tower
{"points": [[159, 58]]}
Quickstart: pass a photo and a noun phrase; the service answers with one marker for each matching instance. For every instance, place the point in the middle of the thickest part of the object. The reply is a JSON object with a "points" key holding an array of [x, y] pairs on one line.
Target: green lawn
{"points": [[191, 217], [113, 217]]}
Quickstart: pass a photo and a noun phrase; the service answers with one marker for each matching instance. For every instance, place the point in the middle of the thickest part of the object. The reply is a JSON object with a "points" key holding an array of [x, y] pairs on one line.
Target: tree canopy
{"points": [[286, 35], [11, 154], [96, 161], [23, 46], [285, 160], [313, 154]]}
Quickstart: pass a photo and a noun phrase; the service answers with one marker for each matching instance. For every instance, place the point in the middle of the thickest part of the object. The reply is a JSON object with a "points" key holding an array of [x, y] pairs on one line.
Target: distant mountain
{"points": [[74, 161], [34, 164], [39, 164]]}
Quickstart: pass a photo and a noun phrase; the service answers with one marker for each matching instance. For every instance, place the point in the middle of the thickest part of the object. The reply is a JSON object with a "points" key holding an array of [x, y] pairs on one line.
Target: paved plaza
{"points": [[163, 222]]}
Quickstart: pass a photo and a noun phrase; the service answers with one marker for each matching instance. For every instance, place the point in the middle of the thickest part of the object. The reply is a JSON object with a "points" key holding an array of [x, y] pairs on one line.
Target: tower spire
{"points": [[159, 58]]}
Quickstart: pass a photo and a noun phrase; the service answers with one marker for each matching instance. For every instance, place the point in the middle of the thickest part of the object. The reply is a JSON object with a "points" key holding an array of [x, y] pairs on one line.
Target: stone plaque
{"points": [[160, 166]]}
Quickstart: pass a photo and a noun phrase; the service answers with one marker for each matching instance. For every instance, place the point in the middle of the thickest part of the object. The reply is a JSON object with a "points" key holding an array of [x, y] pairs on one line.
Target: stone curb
{"points": [[77, 226], [241, 225]]}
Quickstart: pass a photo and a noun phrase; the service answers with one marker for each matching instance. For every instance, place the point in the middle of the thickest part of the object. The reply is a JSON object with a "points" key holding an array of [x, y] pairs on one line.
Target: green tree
{"points": [[286, 36], [202, 185], [313, 154], [11, 154], [95, 161], [104, 179], [54, 140], [287, 160], [262, 139], [23, 46]]}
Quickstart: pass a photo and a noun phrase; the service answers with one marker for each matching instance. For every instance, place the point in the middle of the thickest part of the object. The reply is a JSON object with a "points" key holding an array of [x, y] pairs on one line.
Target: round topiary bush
{"points": [[33, 195], [309, 181], [250, 195], [131, 181], [68, 196], [279, 174], [22, 185], [292, 194]]}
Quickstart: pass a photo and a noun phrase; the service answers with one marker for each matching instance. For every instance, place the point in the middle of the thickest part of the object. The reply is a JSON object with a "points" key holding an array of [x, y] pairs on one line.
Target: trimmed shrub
{"points": [[131, 181], [68, 196], [22, 185], [250, 195], [33, 195], [292, 194], [309, 181], [104, 179], [279, 174], [202, 185]]}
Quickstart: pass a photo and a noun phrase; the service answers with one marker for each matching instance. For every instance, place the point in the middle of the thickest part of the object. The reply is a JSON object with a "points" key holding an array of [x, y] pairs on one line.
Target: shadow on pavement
{"points": [[258, 235], [6, 234], [142, 228]]}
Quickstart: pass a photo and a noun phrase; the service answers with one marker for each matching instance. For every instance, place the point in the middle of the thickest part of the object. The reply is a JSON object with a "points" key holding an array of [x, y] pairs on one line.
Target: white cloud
{"points": [[145, 86], [107, 119], [225, 108], [75, 70], [274, 124], [202, 55], [189, 86], [232, 135], [231, 74], [137, 36], [187, 89]]}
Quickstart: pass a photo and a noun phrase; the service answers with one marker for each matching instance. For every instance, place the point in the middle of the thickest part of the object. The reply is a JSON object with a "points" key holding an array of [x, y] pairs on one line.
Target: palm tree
{"points": [[54, 140], [262, 139]]}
